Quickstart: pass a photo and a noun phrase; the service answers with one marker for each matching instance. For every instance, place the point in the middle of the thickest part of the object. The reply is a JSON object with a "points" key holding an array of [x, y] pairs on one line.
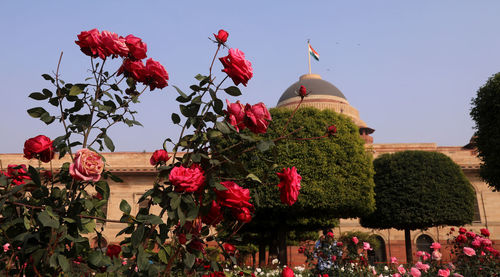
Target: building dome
{"points": [[323, 95]]}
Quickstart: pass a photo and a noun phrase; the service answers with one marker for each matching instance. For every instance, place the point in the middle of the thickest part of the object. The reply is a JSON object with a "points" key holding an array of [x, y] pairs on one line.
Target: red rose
{"points": [[156, 76], [330, 234], [134, 69], [196, 244], [234, 197], [113, 250], [221, 37], [461, 238], [236, 115], [340, 244], [113, 45], [214, 215], [187, 179], [287, 272], [289, 185], [302, 91], [236, 67], [87, 166], [243, 214], [257, 118], [301, 249], [485, 232], [137, 48], [90, 43], [159, 156], [17, 173], [229, 248], [39, 147], [182, 238], [470, 235], [462, 230], [332, 130]]}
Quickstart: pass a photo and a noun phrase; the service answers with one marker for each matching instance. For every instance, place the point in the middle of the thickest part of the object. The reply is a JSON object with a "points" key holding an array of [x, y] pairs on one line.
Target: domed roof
{"points": [[314, 85]]}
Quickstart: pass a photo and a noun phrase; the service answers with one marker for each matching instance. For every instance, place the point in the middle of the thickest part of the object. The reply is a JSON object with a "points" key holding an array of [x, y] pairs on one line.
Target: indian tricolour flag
{"points": [[313, 53]]}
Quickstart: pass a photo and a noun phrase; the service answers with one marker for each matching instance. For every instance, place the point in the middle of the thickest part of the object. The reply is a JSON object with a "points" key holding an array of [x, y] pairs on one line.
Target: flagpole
{"points": [[309, 55]]}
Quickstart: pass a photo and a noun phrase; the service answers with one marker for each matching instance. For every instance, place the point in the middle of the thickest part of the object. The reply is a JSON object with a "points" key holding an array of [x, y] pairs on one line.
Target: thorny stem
{"points": [[59, 97], [293, 113], [97, 95]]}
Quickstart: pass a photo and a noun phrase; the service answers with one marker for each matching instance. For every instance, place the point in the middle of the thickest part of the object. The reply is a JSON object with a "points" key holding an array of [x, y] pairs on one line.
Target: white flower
{"points": [[275, 261], [386, 268], [258, 269]]}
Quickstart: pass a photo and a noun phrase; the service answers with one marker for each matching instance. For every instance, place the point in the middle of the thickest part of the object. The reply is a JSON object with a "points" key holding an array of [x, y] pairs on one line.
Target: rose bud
{"points": [[159, 156], [221, 37], [332, 130], [302, 91]]}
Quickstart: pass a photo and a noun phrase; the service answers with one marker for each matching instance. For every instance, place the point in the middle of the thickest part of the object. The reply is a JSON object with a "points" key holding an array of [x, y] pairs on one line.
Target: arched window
{"points": [[378, 254], [424, 243]]}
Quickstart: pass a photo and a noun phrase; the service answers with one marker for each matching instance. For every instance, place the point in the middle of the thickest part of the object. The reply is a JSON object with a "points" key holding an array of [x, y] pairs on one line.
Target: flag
{"points": [[313, 53]]}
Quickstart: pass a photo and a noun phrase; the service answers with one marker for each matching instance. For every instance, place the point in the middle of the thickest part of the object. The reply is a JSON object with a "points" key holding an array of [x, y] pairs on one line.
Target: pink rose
{"points": [[90, 43], [436, 246], [476, 243], [414, 272], [287, 272], [236, 67], [159, 156], [401, 269], [289, 185], [486, 242], [469, 251], [444, 272], [485, 232], [366, 246], [257, 118], [6, 247], [39, 147], [221, 36], [87, 166], [134, 69], [420, 253], [436, 255], [396, 275], [157, 76], [355, 240], [214, 215], [187, 179], [394, 260], [340, 244], [137, 48], [236, 115], [422, 266], [113, 45]]}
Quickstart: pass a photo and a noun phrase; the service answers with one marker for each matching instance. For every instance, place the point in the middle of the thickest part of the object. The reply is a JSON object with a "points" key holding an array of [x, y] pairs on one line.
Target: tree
{"points": [[486, 114], [419, 190], [337, 174]]}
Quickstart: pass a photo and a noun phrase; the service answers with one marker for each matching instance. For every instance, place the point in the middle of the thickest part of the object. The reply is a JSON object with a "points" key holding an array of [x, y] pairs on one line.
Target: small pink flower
{"points": [[436, 255], [401, 269], [469, 251], [486, 242], [414, 272], [420, 253], [422, 266], [366, 246], [355, 240], [444, 272], [394, 260], [476, 242], [436, 245], [396, 275], [6, 247]]}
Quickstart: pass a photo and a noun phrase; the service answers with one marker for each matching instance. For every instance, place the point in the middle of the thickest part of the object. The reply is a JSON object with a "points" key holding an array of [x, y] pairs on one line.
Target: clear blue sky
{"points": [[409, 67]]}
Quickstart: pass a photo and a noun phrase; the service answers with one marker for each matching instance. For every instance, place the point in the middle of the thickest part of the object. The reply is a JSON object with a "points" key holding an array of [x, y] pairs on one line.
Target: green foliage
{"points": [[486, 114], [336, 171], [418, 190]]}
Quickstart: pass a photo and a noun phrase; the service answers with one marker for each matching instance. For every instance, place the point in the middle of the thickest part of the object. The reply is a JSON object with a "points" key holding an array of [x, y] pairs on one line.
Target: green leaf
{"points": [[200, 77], [264, 145], [233, 91], [114, 87], [47, 220], [213, 134], [254, 177], [48, 77], [35, 176], [36, 112], [47, 93], [109, 143], [162, 255], [219, 186], [54, 101], [96, 258], [47, 118], [190, 110], [38, 96], [218, 106], [175, 202], [180, 92], [125, 207], [192, 213], [75, 90], [189, 260], [222, 126], [63, 262], [102, 187], [181, 215], [176, 118], [137, 235]]}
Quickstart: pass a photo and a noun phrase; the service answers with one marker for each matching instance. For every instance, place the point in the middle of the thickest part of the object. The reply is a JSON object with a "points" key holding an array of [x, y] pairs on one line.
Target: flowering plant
{"points": [[46, 212]]}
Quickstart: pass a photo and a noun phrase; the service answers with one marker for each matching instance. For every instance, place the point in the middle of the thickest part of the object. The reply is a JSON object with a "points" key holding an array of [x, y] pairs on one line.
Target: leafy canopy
{"points": [[418, 190]]}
